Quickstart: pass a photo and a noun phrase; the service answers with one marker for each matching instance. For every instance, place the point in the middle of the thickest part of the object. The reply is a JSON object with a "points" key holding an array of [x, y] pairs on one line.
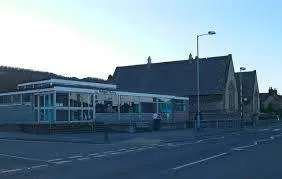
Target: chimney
{"points": [[149, 62], [190, 57]]}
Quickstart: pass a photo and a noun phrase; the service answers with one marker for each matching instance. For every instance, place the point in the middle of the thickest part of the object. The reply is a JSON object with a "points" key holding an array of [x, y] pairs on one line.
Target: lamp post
{"points": [[241, 92], [198, 77]]}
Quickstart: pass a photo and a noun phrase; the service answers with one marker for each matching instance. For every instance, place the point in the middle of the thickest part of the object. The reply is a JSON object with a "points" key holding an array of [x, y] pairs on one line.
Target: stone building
{"points": [[218, 89]]}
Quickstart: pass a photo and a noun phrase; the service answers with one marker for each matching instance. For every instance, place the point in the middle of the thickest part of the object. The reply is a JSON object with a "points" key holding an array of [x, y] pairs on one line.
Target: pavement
{"points": [[114, 137], [250, 153]]}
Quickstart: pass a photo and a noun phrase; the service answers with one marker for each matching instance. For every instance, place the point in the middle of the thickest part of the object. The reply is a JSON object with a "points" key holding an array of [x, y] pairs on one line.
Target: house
{"points": [[271, 102], [218, 91], [250, 91]]}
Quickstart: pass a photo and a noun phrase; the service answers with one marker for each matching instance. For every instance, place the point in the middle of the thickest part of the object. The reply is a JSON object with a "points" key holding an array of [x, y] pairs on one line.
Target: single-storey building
{"points": [[58, 101]]}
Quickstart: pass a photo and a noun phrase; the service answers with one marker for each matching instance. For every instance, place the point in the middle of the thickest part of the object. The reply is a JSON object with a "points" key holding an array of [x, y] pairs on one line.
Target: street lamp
{"points": [[241, 92], [198, 77]]}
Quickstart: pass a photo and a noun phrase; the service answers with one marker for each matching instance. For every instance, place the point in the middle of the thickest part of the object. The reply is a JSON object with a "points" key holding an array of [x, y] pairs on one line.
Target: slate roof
{"points": [[176, 77], [248, 83]]}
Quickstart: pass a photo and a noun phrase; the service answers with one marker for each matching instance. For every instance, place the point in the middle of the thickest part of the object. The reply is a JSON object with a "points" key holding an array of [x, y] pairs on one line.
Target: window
{"points": [[75, 100], [148, 107], [129, 104], [62, 115], [62, 99], [26, 98], [75, 115]]}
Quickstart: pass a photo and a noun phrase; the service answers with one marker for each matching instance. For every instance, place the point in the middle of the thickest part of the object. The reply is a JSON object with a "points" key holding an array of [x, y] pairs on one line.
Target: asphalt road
{"points": [[255, 153]]}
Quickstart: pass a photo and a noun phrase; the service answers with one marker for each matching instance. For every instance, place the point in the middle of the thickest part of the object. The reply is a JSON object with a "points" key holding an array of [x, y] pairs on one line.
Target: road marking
{"points": [[93, 154], [276, 130], [84, 158], [108, 152], [264, 130], [245, 146], [121, 150], [12, 170], [23, 158], [54, 160], [39, 166], [98, 156], [171, 145], [115, 153], [75, 156], [127, 151], [133, 148], [199, 161], [62, 162], [218, 138], [264, 140]]}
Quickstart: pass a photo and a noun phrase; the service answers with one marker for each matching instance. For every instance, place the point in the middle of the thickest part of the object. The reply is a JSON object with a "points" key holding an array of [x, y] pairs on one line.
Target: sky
{"points": [[90, 38]]}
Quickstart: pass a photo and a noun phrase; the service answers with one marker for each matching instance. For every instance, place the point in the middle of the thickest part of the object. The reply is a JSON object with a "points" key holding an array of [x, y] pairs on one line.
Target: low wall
{"points": [[16, 114]]}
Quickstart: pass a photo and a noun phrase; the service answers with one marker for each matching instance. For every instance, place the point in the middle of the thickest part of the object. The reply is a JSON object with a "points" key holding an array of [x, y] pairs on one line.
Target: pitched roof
{"points": [[248, 83], [175, 77]]}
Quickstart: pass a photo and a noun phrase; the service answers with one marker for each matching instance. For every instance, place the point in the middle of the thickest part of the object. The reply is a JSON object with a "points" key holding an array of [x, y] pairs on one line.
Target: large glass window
{"points": [[41, 100], [106, 103], [7, 99], [180, 105], [26, 98], [35, 100], [16, 98], [86, 100], [129, 104], [75, 115], [62, 99], [148, 107], [49, 100], [62, 115]]}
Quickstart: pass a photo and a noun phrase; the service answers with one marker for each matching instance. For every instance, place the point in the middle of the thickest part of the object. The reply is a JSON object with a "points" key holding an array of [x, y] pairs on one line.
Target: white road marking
{"points": [[39, 166], [54, 160], [84, 158], [115, 153], [218, 138], [106, 152], [245, 146], [264, 140], [62, 162], [75, 156], [278, 135], [121, 150], [23, 158], [12, 170], [276, 130], [133, 148], [199, 161], [264, 130], [127, 151], [93, 154], [98, 156], [171, 145]]}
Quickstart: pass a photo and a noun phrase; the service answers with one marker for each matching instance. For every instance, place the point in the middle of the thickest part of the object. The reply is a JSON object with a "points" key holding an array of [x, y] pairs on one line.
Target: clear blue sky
{"points": [[91, 37]]}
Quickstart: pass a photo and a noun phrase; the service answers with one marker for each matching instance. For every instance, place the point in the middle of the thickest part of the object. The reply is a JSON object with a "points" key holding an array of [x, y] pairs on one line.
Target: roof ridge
{"points": [[174, 61]]}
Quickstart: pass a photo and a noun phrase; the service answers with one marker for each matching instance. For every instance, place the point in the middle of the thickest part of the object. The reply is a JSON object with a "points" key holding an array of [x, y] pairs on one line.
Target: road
{"points": [[253, 153]]}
